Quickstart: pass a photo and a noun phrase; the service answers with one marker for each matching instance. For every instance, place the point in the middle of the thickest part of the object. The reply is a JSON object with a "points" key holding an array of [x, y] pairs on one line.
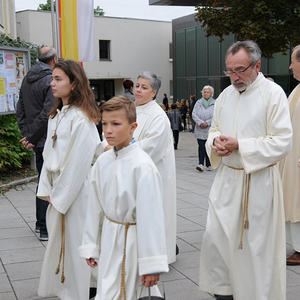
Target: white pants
{"points": [[293, 235]]}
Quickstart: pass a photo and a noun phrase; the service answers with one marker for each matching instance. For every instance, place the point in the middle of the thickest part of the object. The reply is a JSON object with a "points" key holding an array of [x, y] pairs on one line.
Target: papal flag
{"points": [[77, 29]]}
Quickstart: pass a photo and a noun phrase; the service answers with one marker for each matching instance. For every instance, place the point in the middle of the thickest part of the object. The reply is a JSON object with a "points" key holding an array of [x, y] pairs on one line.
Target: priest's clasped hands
{"points": [[224, 145]]}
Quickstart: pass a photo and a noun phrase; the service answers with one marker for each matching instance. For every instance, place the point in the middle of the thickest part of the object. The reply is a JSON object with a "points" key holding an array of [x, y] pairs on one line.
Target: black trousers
{"points": [[176, 138], [41, 205], [183, 118], [202, 153]]}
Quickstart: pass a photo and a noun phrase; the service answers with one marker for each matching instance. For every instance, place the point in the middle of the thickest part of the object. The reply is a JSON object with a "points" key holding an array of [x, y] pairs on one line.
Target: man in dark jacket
{"points": [[35, 101]]}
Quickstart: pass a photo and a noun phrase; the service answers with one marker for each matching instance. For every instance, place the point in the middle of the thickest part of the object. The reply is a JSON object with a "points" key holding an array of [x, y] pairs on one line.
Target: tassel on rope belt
{"points": [[245, 219], [62, 250], [123, 287]]}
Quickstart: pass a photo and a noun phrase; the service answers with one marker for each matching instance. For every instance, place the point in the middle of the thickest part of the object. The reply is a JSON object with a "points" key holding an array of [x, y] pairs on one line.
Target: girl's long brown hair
{"points": [[81, 95]]}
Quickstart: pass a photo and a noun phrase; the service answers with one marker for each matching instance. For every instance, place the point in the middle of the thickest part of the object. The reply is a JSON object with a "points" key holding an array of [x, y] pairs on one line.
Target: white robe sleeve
{"points": [[151, 238], [214, 132], [156, 139], [94, 218], [44, 185], [76, 166], [259, 153]]}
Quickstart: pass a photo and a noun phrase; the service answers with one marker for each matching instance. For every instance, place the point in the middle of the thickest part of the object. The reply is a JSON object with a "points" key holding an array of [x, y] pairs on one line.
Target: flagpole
{"points": [[54, 40], [58, 29]]}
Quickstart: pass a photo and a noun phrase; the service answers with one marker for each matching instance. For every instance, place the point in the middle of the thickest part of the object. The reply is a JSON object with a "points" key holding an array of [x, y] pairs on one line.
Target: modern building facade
{"points": [[199, 60], [123, 48], [7, 18]]}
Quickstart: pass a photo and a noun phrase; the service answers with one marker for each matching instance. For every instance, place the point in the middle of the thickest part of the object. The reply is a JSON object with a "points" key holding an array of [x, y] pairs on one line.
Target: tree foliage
{"points": [[12, 152], [17, 43], [47, 6], [274, 25]]}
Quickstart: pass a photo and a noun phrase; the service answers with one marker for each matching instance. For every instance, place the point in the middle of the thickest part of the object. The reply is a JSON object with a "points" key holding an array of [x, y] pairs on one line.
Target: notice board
{"points": [[14, 64]]}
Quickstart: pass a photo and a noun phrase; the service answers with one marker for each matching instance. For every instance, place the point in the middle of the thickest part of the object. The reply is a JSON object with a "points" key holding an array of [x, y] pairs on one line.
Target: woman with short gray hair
{"points": [[155, 137], [202, 116]]}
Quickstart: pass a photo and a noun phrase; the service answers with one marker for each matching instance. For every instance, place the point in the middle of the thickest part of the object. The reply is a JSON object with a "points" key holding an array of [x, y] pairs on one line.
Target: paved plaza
{"points": [[21, 252]]}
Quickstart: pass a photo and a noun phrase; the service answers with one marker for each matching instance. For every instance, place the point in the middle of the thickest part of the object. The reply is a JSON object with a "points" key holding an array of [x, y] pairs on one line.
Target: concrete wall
{"points": [[136, 45]]}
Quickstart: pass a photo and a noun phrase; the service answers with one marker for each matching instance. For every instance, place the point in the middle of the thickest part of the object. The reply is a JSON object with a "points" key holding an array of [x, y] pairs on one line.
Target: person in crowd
{"points": [[202, 116], [243, 249], [289, 168], [128, 89], [155, 137], [166, 102], [69, 152], [35, 102], [183, 111], [192, 103], [129, 219], [175, 121]]}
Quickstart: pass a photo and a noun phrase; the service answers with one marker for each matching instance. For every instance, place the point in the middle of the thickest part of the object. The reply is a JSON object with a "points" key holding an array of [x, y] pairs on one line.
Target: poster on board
{"points": [[14, 64]]}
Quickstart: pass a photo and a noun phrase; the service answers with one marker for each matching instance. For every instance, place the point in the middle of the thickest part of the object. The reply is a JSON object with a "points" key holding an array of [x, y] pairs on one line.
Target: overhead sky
{"points": [[125, 8]]}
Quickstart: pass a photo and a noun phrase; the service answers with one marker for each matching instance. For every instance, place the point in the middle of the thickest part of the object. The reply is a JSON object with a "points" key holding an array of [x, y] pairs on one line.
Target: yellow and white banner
{"points": [[77, 29]]}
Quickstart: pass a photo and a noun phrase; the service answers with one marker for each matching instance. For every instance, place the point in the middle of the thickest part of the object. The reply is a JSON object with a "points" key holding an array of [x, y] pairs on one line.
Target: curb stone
{"points": [[18, 182]]}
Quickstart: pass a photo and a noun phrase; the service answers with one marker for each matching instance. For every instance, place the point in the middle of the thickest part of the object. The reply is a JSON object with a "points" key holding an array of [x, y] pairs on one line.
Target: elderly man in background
{"points": [[290, 168], [243, 249], [35, 101]]}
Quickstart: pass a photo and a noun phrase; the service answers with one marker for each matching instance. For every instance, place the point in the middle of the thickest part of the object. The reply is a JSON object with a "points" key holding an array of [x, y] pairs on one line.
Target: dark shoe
{"points": [[177, 250], [294, 259], [93, 292], [37, 229], [43, 236], [200, 168], [221, 297]]}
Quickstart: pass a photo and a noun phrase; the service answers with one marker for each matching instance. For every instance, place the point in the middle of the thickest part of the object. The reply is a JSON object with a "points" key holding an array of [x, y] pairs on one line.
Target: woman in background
{"points": [[202, 116]]}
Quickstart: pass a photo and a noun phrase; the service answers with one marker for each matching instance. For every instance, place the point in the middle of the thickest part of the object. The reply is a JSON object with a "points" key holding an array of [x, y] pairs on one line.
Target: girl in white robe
{"points": [[125, 211], [69, 151]]}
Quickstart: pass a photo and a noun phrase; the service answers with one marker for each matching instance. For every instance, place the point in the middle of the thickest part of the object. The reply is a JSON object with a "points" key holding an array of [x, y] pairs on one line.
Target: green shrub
{"points": [[12, 152]]}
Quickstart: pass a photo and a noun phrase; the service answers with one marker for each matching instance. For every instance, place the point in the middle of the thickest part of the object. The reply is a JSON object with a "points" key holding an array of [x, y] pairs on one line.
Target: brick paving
{"points": [[21, 252]]}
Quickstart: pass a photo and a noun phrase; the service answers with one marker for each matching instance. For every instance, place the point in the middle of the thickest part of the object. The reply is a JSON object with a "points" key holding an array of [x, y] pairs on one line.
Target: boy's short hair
{"points": [[173, 106], [120, 102]]}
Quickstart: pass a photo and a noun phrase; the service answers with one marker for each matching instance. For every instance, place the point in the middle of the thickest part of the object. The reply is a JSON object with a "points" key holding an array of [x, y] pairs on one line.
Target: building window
{"points": [[104, 50]]}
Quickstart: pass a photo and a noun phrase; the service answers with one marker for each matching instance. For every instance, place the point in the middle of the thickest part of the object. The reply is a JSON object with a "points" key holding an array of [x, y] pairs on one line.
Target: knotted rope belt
{"points": [[123, 286], [62, 249], [245, 218]]}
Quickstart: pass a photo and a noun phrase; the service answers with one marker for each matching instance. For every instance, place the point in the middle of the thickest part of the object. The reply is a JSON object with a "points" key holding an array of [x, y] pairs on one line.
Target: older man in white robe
{"points": [[290, 169], [243, 250]]}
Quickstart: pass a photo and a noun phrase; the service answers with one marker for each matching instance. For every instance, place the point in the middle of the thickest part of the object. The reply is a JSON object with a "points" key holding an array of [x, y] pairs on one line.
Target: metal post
{"points": [[57, 29], [54, 40]]}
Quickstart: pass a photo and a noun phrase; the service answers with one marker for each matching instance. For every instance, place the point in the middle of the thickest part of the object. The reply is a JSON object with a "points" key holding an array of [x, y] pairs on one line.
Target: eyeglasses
{"points": [[236, 72]]}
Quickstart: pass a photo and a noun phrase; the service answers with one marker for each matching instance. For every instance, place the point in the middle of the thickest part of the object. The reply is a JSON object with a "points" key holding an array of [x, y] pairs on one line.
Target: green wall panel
{"points": [[278, 64], [180, 52], [214, 56], [202, 59], [190, 58]]}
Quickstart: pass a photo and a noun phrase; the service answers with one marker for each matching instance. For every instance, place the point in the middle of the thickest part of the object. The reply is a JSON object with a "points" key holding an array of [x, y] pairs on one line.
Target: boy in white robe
{"points": [[124, 227]]}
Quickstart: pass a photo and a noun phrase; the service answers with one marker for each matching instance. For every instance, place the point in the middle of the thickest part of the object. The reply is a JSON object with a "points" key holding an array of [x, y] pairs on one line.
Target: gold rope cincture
{"points": [[62, 250], [123, 286], [245, 218]]}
